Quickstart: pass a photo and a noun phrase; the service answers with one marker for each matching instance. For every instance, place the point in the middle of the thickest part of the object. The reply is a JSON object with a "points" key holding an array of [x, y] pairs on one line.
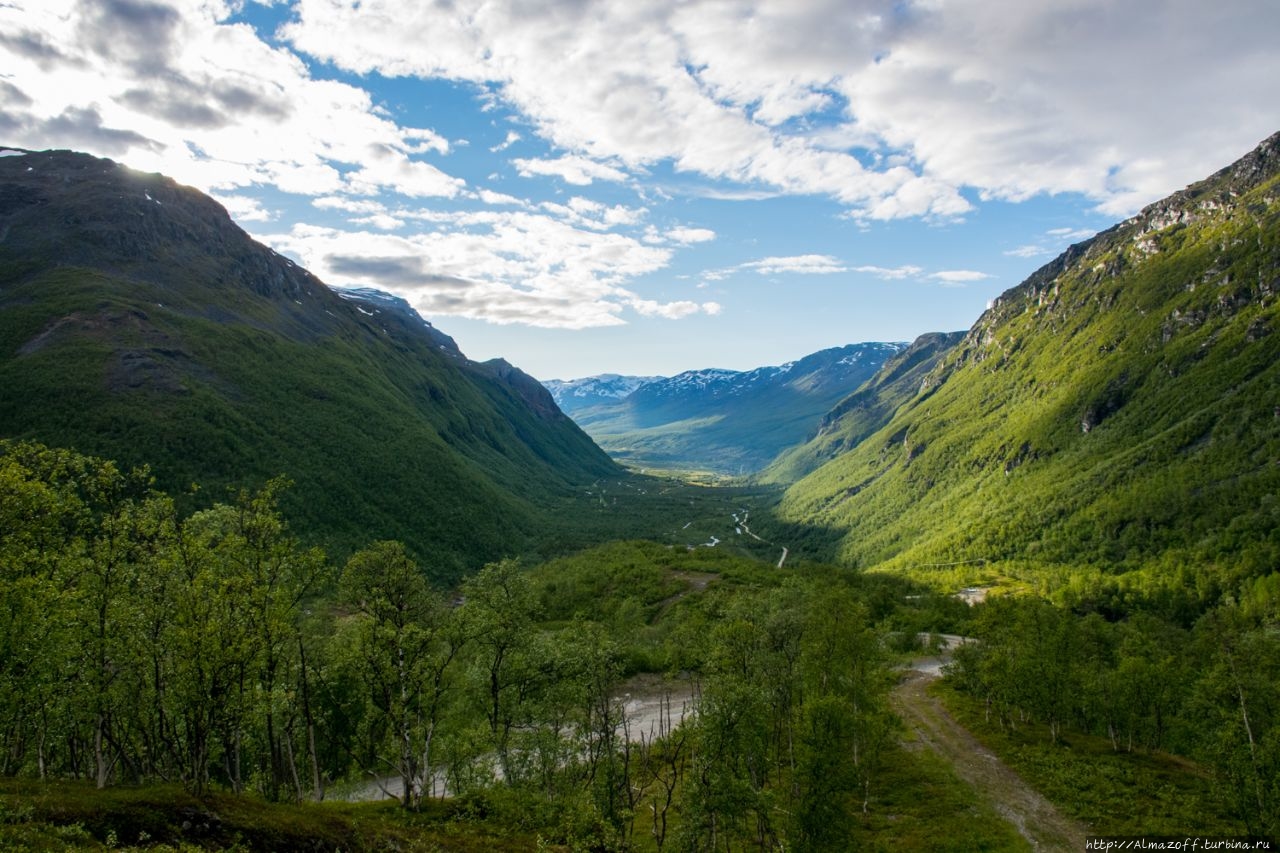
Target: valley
{"points": [[727, 423], [265, 541]]}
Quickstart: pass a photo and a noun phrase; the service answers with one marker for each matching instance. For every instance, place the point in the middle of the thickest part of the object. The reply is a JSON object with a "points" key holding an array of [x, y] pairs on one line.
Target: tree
{"points": [[1237, 703], [118, 554], [846, 689], [207, 649], [279, 575], [404, 642], [499, 604], [42, 519], [75, 531]]}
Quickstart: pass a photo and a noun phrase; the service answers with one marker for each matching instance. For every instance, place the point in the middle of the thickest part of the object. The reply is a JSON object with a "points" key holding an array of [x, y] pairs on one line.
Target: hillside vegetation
{"points": [[865, 411], [139, 323], [166, 677], [223, 665], [182, 668], [1116, 413]]}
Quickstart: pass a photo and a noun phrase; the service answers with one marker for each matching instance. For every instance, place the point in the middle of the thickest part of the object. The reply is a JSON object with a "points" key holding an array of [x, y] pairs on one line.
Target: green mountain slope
{"points": [[137, 322], [865, 410], [1120, 409]]}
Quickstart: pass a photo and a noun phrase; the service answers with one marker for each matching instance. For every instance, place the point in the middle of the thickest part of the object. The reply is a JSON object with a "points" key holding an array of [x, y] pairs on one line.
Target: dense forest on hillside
{"points": [[1115, 412], [143, 646]]}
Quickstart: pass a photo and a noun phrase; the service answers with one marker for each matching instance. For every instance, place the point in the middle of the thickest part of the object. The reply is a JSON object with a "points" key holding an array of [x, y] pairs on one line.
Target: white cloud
{"points": [[889, 107], [607, 215], [512, 139], [175, 87], [1071, 234], [1058, 238], [499, 266], [349, 205], [497, 198], [595, 215], [384, 168], [958, 277], [686, 236], [797, 265], [245, 209], [667, 310], [428, 140], [579, 171], [890, 273], [1030, 250], [381, 221], [1009, 98]]}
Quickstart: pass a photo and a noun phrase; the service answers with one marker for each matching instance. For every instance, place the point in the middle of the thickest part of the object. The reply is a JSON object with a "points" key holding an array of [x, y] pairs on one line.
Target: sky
{"points": [[650, 186]]}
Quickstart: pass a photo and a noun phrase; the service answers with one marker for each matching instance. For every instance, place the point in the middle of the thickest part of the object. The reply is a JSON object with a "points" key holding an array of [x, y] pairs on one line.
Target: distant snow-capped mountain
{"points": [[728, 421], [573, 394], [828, 369]]}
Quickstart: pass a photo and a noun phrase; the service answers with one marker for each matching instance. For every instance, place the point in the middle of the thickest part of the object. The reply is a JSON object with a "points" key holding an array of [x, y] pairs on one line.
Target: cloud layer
{"points": [[892, 109]]}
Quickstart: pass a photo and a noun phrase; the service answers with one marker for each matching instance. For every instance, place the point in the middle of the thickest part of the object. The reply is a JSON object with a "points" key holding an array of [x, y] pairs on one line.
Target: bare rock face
{"points": [[525, 387]]}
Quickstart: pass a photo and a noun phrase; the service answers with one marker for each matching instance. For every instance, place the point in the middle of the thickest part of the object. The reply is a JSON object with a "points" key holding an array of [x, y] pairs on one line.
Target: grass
{"points": [[1113, 793], [919, 804], [63, 816]]}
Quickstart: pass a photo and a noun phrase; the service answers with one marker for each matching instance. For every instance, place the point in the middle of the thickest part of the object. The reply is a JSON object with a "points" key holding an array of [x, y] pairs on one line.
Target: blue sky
{"points": [[587, 187]]}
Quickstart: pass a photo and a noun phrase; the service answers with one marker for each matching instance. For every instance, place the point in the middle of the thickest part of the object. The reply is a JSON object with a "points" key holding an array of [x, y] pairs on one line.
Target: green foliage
{"points": [[1082, 774], [1091, 709], [161, 334], [792, 724], [176, 636], [401, 645], [1112, 418], [214, 649]]}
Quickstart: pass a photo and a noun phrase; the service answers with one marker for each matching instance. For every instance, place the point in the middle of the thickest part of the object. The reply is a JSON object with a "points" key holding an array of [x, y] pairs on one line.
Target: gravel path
{"points": [[1035, 818]]}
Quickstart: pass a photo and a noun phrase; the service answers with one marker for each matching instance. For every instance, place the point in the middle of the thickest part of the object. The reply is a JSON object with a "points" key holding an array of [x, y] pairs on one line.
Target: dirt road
{"points": [[1035, 818]]}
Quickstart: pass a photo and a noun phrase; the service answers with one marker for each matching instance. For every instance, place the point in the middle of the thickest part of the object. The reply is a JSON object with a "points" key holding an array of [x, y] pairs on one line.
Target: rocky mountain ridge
{"points": [[867, 409], [727, 421], [572, 394]]}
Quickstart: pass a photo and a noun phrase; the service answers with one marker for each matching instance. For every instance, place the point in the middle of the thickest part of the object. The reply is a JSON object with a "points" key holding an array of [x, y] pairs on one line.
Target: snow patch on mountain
{"points": [[577, 393], [371, 302]]}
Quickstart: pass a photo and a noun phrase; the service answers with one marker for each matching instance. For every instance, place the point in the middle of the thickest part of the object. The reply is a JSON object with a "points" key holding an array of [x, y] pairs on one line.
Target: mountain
{"points": [[139, 323], [572, 395], [728, 421], [866, 410], [375, 301], [1117, 411]]}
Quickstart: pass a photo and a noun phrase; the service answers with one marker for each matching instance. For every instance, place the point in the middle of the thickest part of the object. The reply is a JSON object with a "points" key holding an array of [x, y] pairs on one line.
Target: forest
{"points": [[210, 651]]}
